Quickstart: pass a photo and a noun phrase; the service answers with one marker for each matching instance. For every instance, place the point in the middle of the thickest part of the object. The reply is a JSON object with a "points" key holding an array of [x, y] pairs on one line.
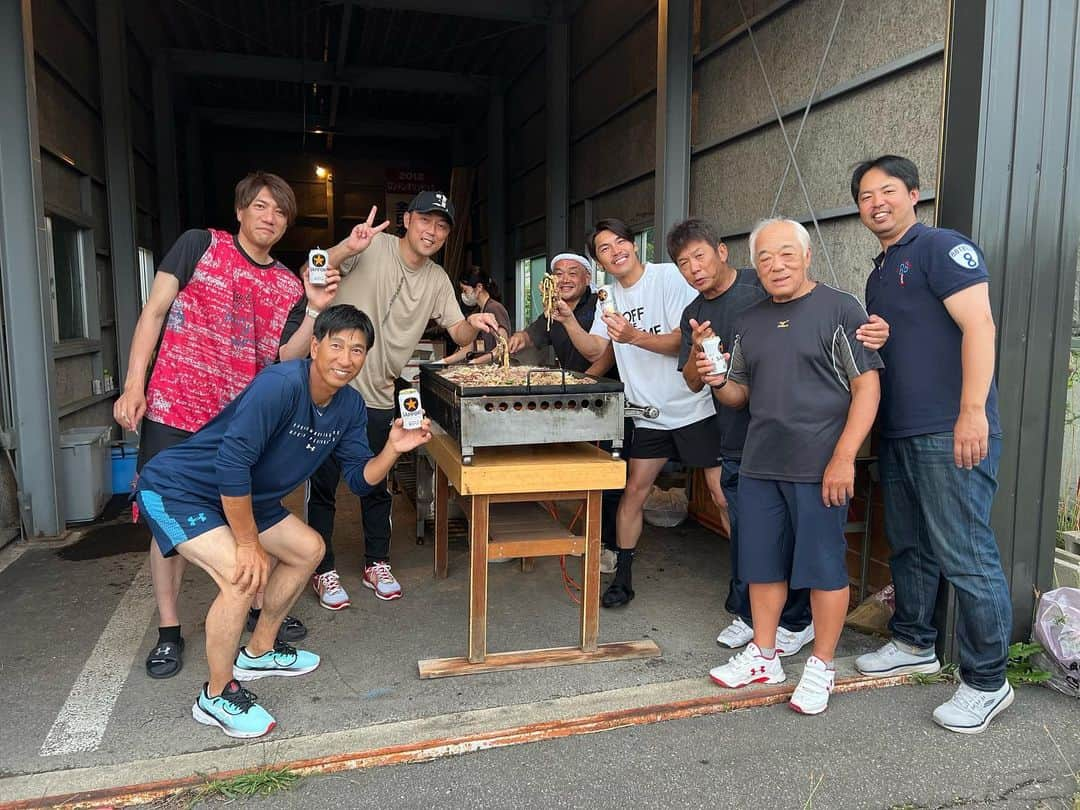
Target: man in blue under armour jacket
{"points": [[215, 499]]}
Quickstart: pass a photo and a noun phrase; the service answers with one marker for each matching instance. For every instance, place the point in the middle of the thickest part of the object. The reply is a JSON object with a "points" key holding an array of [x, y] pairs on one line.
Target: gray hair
{"points": [[800, 233]]}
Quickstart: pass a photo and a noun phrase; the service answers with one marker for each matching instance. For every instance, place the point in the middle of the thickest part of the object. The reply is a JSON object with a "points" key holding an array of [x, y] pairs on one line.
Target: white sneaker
{"points": [[735, 635], [746, 667], [970, 710], [789, 643], [891, 660], [379, 578], [609, 560], [328, 588], [811, 696]]}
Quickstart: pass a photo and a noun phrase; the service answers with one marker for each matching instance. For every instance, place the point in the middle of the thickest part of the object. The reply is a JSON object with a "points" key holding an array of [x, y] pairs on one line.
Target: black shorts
{"points": [[155, 437], [695, 445]]}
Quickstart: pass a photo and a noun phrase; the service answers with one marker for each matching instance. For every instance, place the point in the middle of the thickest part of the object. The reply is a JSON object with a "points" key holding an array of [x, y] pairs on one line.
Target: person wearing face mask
{"points": [[479, 290], [396, 282]]}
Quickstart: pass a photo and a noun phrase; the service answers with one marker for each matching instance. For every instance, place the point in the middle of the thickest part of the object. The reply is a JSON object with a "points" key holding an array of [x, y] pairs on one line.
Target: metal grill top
{"points": [[486, 381]]}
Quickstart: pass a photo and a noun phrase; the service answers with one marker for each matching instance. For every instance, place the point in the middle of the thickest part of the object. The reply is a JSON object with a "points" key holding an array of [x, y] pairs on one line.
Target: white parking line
{"points": [[82, 720]]}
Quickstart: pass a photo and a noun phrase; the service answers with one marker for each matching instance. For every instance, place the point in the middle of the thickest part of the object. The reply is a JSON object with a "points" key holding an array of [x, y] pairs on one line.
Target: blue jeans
{"points": [[937, 520], [796, 614]]}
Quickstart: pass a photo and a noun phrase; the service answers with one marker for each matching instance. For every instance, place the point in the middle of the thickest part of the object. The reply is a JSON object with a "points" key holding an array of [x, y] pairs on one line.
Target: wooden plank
{"points": [[478, 559], [546, 547], [442, 535], [590, 588], [535, 659]]}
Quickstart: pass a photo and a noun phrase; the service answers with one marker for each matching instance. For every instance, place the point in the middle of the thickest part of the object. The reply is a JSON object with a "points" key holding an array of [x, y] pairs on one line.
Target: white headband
{"points": [[575, 257]]}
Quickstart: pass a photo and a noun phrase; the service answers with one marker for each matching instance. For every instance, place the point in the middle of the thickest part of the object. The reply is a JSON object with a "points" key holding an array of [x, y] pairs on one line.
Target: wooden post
{"points": [[590, 587], [478, 571], [442, 518]]}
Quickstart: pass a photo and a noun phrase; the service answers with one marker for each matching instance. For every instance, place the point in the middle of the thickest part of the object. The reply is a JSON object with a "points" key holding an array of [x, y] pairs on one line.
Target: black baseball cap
{"points": [[428, 201]]}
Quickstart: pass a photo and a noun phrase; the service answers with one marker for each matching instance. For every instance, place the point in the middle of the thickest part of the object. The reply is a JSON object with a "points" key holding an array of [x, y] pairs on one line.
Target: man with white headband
{"points": [[573, 313]]}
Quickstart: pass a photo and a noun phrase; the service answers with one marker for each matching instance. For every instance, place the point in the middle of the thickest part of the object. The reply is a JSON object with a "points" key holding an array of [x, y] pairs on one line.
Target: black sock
{"points": [[172, 634], [622, 568]]}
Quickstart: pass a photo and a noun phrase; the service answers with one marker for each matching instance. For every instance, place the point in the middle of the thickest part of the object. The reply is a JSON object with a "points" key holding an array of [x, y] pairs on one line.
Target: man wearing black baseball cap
{"points": [[432, 202], [395, 282]]}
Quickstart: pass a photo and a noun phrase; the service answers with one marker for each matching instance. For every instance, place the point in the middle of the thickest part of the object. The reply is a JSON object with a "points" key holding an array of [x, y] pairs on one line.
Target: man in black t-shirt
{"points": [[724, 293], [813, 393], [577, 302]]}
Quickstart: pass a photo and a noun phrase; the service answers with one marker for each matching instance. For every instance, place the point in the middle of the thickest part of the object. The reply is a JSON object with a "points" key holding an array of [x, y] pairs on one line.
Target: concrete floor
{"points": [[875, 750], [74, 694]]}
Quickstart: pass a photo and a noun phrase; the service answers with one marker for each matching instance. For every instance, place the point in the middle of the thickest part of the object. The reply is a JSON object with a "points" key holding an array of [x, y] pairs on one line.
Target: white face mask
{"points": [[468, 299]]}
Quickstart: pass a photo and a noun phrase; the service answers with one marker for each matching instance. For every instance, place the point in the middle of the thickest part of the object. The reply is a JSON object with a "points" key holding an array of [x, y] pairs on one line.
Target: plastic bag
{"points": [[665, 507], [1057, 628]]}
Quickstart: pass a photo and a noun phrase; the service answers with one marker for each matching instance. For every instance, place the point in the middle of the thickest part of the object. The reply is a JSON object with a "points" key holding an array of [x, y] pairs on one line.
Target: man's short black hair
{"points": [[893, 165], [616, 226], [688, 231], [344, 318]]}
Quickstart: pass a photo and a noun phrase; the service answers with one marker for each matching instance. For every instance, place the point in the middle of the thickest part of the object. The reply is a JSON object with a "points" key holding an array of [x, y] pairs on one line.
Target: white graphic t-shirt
{"points": [[655, 304]]}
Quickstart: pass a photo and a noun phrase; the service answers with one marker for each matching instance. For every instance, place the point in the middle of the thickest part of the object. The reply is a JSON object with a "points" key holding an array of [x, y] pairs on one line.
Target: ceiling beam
{"points": [[299, 71], [525, 11], [340, 62], [290, 122]]}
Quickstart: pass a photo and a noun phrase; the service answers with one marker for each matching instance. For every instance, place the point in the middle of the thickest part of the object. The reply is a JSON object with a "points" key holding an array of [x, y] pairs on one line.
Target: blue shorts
{"points": [[173, 521], [787, 534]]}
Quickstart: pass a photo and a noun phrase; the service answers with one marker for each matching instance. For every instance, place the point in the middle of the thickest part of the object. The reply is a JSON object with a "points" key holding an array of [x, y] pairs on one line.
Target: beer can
{"points": [[318, 260], [714, 351], [607, 299], [412, 415]]}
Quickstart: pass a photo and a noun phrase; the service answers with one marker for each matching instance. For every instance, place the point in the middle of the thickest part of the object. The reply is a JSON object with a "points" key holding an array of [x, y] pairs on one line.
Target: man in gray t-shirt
{"points": [[813, 393]]}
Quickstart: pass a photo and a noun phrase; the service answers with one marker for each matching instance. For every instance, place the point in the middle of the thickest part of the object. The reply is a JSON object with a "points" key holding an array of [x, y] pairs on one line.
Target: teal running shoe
{"points": [[234, 711], [284, 660]]}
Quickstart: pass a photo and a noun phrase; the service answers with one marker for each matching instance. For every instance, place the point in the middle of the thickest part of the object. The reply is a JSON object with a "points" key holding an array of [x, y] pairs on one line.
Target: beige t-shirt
{"points": [[400, 301]]}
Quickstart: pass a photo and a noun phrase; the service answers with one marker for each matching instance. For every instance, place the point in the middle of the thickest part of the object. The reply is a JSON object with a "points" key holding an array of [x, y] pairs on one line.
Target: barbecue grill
{"points": [[577, 407]]}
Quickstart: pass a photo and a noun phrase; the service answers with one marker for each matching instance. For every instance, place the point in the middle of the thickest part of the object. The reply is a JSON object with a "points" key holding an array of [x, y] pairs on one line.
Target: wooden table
{"points": [[548, 472]]}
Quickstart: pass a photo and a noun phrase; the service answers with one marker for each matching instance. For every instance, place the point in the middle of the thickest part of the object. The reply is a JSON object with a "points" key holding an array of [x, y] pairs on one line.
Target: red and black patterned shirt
{"points": [[222, 329]]}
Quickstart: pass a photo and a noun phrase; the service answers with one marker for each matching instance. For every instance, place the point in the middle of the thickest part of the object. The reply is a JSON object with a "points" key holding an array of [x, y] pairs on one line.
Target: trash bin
{"points": [[87, 468]]}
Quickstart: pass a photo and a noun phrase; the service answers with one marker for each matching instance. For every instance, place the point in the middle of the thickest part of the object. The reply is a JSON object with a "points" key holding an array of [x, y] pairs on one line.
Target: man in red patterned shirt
{"points": [[226, 300]]}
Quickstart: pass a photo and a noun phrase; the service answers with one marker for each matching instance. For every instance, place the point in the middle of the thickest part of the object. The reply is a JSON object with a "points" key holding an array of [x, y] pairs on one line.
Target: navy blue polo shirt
{"points": [[923, 376]]}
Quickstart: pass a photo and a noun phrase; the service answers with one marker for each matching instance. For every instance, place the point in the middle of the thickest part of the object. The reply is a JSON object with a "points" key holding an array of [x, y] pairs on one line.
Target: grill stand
{"points": [[522, 474]]}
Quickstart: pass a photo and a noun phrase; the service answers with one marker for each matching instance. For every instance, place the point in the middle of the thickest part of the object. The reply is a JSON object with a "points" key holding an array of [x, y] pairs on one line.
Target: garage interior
{"points": [[131, 121]]}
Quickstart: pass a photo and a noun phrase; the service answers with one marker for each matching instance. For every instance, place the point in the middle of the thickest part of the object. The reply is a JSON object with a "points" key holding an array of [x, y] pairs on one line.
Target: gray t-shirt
{"points": [[798, 358], [721, 313]]}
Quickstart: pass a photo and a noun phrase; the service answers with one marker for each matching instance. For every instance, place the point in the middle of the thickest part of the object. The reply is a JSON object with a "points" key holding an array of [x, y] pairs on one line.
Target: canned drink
{"points": [[412, 415], [607, 299], [714, 351], [317, 261]]}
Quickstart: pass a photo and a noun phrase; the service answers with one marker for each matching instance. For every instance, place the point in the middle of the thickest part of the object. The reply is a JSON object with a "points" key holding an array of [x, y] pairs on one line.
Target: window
{"points": [[646, 245], [146, 273], [67, 279], [529, 273]]}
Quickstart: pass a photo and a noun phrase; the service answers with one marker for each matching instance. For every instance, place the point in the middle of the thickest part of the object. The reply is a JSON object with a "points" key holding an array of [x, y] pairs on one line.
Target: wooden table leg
{"points": [[478, 571], [590, 589], [442, 492]]}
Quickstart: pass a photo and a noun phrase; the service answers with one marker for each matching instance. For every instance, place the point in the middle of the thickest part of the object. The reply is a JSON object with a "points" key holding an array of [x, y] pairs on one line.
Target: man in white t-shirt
{"points": [[643, 331]]}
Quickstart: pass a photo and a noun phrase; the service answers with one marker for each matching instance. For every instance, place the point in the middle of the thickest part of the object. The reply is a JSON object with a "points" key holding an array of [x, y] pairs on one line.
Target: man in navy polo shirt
{"points": [[941, 443]]}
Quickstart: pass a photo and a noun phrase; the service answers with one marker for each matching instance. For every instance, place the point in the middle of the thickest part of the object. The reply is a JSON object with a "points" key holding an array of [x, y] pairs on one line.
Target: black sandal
{"points": [[166, 659]]}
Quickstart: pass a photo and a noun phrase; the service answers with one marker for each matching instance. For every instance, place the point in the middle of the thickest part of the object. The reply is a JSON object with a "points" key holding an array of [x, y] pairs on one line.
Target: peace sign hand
{"points": [[362, 234]]}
